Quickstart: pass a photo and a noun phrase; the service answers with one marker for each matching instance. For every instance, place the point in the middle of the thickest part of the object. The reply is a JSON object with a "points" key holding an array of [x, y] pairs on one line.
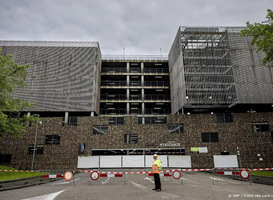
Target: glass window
{"points": [[130, 138], [100, 130], [175, 128], [39, 149], [260, 127], [210, 137], [115, 120], [5, 158], [73, 121], [155, 120], [52, 139], [224, 117]]}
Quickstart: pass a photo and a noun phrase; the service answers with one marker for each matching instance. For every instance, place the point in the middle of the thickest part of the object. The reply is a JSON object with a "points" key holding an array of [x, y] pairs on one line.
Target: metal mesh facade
{"points": [[212, 66], [63, 76], [207, 66], [253, 81]]}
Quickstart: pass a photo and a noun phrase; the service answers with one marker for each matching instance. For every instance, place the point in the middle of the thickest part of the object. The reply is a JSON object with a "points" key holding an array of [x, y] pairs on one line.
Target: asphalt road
{"points": [[195, 186]]}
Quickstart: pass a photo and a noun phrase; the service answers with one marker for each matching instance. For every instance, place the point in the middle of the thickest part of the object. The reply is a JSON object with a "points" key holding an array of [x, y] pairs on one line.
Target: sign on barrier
{"points": [[244, 174], [176, 175], [68, 175], [94, 175]]}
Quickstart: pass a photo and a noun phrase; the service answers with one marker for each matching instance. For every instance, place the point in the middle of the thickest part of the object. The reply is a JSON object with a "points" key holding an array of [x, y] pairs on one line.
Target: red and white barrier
{"points": [[227, 173], [53, 176], [111, 175]]}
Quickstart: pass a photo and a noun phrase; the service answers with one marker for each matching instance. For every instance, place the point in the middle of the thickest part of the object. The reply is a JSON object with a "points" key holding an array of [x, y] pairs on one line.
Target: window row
{"points": [[103, 129]]}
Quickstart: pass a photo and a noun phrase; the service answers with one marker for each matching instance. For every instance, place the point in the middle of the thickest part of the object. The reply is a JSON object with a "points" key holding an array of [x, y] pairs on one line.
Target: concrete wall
{"points": [[239, 133]]}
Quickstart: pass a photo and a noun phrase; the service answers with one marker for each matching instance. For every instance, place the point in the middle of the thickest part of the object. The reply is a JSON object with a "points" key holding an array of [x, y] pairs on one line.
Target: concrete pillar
{"points": [[128, 67], [66, 118], [28, 115], [92, 114], [143, 108], [128, 94], [128, 108], [142, 67], [128, 80], [142, 80]]}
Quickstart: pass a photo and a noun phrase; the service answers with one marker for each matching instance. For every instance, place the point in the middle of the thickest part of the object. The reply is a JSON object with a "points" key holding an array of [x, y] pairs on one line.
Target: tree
{"points": [[262, 37], [12, 76]]}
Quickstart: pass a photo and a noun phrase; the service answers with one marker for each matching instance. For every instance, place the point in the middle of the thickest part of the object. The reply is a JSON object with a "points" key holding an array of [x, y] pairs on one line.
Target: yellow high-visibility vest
{"points": [[157, 166]]}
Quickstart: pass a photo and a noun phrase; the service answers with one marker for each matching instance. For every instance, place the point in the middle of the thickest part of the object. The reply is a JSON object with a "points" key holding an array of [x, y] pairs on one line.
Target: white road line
{"points": [[149, 179], [47, 196], [163, 195], [65, 182], [106, 181]]}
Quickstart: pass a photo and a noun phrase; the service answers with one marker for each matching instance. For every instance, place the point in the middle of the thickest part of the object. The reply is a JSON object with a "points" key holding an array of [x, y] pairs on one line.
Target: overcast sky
{"points": [[142, 27]]}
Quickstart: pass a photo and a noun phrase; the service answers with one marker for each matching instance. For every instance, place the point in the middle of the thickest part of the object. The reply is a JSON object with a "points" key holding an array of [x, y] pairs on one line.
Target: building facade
{"points": [[209, 93]]}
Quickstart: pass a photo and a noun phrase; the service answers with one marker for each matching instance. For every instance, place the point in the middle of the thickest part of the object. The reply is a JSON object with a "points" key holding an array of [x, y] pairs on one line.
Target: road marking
{"points": [[149, 179], [65, 182], [219, 179], [106, 181], [47, 196], [163, 195]]}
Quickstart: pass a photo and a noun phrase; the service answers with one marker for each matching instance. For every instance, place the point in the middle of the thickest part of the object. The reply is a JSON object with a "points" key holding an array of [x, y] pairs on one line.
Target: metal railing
{"points": [[136, 83], [163, 58], [136, 70], [135, 112], [134, 97]]}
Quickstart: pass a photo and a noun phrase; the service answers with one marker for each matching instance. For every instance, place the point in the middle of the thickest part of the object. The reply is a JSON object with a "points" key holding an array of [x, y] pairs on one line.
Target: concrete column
{"points": [[142, 94], [142, 67], [92, 114], [28, 115], [66, 118], [128, 67], [143, 120], [128, 108], [143, 108], [128, 94], [128, 80], [142, 80]]}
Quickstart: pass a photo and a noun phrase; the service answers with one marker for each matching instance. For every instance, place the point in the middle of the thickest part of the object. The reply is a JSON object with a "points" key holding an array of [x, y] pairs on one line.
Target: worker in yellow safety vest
{"points": [[156, 171]]}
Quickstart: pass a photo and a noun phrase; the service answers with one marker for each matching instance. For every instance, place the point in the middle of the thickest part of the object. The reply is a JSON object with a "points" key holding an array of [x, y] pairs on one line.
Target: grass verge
{"points": [[7, 176], [262, 173]]}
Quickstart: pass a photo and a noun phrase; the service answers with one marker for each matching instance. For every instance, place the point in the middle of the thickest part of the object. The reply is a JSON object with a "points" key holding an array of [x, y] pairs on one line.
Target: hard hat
{"points": [[155, 155]]}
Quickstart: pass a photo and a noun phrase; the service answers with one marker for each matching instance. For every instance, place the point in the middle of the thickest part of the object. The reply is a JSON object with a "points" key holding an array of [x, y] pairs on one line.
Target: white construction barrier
{"points": [[221, 161], [88, 162], [180, 161], [133, 161], [110, 162]]}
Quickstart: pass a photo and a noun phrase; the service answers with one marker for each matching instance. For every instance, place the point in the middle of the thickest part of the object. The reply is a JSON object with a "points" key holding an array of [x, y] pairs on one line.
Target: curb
{"points": [[24, 182]]}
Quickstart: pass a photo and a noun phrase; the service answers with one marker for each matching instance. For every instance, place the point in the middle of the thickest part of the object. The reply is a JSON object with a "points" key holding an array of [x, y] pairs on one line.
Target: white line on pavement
{"points": [[47, 196], [65, 182], [149, 179], [106, 181], [163, 195]]}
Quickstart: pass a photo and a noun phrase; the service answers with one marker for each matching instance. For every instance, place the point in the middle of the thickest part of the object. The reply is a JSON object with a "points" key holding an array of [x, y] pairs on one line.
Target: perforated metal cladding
{"points": [[253, 81], [60, 78]]}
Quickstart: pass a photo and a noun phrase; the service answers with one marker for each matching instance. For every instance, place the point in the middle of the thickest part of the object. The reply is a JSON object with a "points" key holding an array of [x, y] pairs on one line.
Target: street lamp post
{"points": [[34, 148]]}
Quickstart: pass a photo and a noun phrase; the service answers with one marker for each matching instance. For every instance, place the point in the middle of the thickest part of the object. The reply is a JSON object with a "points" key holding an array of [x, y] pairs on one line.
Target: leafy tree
{"points": [[262, 37], [12, 76]]}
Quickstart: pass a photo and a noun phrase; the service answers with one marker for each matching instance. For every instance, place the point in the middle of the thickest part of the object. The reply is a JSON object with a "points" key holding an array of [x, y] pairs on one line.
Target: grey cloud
{"points": [[139, 26]]}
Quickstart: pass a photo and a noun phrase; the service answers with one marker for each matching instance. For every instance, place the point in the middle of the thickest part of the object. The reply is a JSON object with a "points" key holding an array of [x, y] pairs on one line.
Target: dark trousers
{"points": [[157, 181]]}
